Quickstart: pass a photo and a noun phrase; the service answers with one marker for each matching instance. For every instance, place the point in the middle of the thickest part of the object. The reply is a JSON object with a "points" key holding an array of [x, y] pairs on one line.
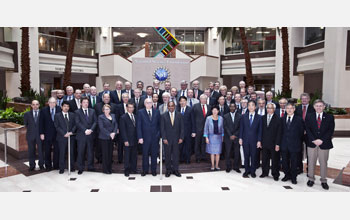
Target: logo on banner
{"points": [[162, 74]]}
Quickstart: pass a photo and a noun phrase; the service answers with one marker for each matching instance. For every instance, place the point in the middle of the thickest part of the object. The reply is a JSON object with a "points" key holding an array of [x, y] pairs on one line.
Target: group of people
{"points": [[237, 124]]}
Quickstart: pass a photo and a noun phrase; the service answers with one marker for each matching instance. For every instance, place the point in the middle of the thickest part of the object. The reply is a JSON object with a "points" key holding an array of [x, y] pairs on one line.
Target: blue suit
{"points": [[250, 134], [149, 131], [189, 128]]}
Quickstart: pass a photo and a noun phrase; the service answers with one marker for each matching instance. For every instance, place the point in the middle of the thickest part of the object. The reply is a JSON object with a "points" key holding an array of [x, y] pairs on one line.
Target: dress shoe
{"points": [[72, 170], [212, 169], [294, 182], [91, 169], [217, 168], [80, 172], [275, 178], [325, 186], [126, 174], [42, 168], [285, 179], [61, 172], [167, 174], [154, 173], [237, 170], [245, 175], [228, 170], [310, 183], [263, 175], [143, 173], [177, 173], [253, 175]]}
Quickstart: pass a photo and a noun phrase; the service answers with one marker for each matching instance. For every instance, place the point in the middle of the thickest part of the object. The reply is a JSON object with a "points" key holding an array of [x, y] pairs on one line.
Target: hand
{"points": [[165, 141], [317, 142], [180, 141], [66, 135], [70, 133], [240, 141], [207, 140], [141, 141], [232, 137], [193, 135], [258, 145], [42, 137], [117, 131], [112, 135], [88, 132], [126, 143], [277, 148]]}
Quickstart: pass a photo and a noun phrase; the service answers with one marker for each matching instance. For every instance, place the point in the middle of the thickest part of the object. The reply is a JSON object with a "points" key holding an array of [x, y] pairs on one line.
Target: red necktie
{"points": [[282, 113], [304, 112], [319, 121], [203, 111]]}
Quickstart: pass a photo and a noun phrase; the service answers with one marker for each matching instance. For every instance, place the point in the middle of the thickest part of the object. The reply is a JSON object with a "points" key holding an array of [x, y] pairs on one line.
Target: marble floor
{"points": [[16, 178]]}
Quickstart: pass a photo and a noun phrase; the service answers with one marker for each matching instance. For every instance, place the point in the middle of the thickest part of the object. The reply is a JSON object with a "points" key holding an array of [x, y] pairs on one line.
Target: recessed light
{"points": [[116, 34], [142, 35]]}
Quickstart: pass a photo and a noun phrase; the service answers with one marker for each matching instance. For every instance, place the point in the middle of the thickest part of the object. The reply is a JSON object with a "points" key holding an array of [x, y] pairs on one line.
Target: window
{"points": [[258, 38], [314, 34], [191, 41], [56, 39]]}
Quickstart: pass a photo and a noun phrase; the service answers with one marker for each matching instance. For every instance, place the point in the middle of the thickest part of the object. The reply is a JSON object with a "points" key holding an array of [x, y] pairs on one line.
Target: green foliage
{"points": [[315, 96], [279, 95], [12, 116], [335, 111], [3, 99], [29, 96]]}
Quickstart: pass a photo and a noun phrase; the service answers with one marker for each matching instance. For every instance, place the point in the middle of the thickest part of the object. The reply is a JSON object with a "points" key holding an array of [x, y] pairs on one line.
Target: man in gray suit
{"points": [[172, 131], [86, 121], [190, 98], [164, 107], [31, 122]]}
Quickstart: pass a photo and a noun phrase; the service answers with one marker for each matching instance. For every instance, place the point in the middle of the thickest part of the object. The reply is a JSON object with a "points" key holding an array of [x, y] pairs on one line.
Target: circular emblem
{"points": [[162, 74]]}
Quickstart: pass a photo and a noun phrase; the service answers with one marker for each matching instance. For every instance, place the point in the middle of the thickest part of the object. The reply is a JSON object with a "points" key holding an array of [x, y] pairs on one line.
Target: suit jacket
{"points": [[141, 104], [121, 111], [299, 110], [99, 106], [225, 110], [100, 94], [277, 105], [73, 105], [271, 135], [250, 134], [291, 138], [106, 127], [127, 129], [257, 111], [199, 117], [65, 97], [98, 100], [194, 101], [114, 97], [188, 119], [82, 124], [148, 130], [163, 108], [31, 125], [231, 128], [200, 92], [277, 112], [169, 132], [214, 94], [46, 124], [160, 93], [132, 93], [325, 133], [61, 127]]}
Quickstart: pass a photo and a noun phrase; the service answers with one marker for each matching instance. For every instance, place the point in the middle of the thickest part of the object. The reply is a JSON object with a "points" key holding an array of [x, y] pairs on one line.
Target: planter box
{"points": [[342, 125], [18, 107], [16, 140]]}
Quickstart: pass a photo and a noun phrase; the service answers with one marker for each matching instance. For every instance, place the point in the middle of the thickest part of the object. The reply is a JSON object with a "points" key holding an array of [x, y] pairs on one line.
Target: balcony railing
{"points": [[254, 45], [60, 44]]}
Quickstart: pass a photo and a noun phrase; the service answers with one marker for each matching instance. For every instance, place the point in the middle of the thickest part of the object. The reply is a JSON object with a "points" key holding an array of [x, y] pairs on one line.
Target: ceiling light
{"points": [[142, 35]]}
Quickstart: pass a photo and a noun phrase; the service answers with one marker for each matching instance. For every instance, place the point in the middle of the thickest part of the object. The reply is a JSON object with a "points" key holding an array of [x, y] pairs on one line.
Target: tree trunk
{"points": [[25, 62], [248, 64], [69, 58], [286, 92]]}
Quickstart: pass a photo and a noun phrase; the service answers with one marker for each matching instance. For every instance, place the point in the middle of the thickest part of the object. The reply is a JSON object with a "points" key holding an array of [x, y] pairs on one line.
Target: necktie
{"points": [[133, 119], [260, 111], [233, 117], [86, 115], [154, 105], [93, 101], [137, 102], [319, 121], [149, 115], [118, 94], [196, 92], [183, 93], [53, 114], [268, 120], [191, 102], [172, 118], [304, 112], [35, 116], [251, 120], [203, 109], [220, 110], [67, 121], [288, 122], [182, 111], [282, 113]]}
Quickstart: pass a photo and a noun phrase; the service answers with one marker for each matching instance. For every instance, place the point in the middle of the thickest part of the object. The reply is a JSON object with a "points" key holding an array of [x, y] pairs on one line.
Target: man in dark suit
{"points": [[31, 122], [250, 138], [69, 94], [128, 89], [223, 108], [65, 127], [148, 134], [157, 90], [183, 90], [291, 143], [319, 130], [270, 141], [106, 100], [86, 122], [231, 129], [269, 99], [172, 131], [189, 130], [122, 109], [75, 104], [94, 98], [128, 133], [116, 95], [139, 85], [59, 97], [281, 112], [155, 99], [200, 111], [138, 100], [48, 133], [105, 89], [196, 91], [302, 111]]}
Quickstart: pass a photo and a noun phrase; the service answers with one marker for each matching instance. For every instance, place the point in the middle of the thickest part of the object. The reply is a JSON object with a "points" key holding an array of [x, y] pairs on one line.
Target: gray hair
{"points": [[166, 94]]}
